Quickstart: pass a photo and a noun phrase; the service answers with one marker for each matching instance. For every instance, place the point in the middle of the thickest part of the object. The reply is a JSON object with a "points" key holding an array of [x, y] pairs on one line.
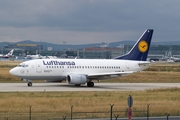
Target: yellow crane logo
{"points": [[143, 46]]}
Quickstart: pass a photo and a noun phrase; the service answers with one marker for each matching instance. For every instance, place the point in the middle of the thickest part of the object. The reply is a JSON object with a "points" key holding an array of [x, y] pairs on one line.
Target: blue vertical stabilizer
{"points": [[140, 50]]}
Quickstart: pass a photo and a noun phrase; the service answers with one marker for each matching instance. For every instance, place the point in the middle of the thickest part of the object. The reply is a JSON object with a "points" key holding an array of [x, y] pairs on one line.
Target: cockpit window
{"points": [[22, 65]]}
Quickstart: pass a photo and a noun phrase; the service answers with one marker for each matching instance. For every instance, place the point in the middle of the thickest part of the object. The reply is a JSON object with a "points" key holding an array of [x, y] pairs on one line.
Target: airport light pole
{"points": [[111, 111], [167, 114], [116, 116], [30, 113], [71, 111], [148, 111]]}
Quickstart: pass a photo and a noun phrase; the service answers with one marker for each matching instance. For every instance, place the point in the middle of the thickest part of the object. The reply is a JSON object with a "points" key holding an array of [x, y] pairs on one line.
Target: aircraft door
{"points": [[38, 67]]}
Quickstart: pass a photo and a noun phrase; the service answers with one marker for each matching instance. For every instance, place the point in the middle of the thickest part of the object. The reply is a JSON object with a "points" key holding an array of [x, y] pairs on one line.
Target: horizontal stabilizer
{"points": [[144, 63]]}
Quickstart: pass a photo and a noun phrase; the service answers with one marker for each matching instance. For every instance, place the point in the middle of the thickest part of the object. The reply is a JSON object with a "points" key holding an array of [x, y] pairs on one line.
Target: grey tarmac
{"points": [[38, 87]]}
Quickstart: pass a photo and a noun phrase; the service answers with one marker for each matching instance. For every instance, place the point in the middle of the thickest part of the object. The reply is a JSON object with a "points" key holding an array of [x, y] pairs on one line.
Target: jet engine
{"points": [[76, 79]]}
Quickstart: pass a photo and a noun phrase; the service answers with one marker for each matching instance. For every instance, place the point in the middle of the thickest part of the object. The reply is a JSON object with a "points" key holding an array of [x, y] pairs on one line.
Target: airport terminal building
{"points": [[155, 52]]}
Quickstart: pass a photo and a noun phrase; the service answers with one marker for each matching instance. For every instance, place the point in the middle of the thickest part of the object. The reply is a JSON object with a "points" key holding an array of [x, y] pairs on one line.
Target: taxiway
{"points": [[38, 87]]}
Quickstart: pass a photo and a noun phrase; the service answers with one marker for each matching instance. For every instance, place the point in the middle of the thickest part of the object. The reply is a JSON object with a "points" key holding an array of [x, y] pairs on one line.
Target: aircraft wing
{"points": [[108, 74]]}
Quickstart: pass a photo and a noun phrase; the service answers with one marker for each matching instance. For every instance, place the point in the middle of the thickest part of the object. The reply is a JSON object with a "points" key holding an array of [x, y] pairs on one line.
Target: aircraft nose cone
{"points": [[12, 71]]}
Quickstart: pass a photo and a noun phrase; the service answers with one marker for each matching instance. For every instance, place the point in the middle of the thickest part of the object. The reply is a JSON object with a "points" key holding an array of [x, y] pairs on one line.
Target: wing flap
{"points": [[109, 74]]}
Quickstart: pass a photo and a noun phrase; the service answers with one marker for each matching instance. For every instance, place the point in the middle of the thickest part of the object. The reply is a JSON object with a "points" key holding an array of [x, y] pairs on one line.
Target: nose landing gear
{"points": [[29, 84]]}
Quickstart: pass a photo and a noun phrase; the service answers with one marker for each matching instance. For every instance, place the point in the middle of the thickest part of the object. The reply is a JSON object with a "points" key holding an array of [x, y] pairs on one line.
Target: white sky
{"points": [[88, 21]]}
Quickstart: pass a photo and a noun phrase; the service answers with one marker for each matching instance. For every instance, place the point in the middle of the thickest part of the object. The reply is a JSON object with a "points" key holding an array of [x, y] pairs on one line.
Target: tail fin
{"points": [[140, 50], [10, 53]]}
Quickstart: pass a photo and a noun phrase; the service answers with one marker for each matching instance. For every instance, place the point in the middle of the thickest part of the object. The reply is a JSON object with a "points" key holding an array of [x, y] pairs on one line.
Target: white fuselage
{"points": [[58, 69]]}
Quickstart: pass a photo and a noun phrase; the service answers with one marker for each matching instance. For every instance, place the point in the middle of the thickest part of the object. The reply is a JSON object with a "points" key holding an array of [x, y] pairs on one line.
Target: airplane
{"points": [[8, 55], [38, 56], [84, 71], [51, 57], [169, 57]]}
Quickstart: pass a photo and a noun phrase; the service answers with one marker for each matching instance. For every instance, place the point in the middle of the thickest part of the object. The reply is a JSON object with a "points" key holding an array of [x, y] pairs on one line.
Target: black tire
{"points": [[90, 84], [29, 84]]}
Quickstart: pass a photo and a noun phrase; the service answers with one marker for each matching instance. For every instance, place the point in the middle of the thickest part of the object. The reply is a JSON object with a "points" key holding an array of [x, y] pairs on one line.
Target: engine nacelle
{"points": [[76, 79]]}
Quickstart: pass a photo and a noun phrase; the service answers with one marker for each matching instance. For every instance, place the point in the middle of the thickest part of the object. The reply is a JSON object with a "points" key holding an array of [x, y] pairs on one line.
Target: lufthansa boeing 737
{"points": [[82, 71]]}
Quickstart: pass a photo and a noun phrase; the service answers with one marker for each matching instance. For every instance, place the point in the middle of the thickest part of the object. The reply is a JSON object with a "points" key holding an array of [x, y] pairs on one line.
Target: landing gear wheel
{"points": [[29, 84], [90, 84]]}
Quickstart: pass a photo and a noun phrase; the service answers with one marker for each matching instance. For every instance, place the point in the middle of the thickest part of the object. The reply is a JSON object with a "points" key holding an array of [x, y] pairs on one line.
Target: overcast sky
{"points": [[88, 21]]}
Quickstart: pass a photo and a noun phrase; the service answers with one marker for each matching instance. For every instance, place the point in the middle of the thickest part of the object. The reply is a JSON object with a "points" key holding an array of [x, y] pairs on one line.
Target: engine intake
{"points": [[76, 79]]}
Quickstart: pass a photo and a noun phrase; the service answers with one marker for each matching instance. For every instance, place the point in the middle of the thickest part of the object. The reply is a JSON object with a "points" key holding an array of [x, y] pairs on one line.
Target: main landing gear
{"points": [[90, 84], [29, 84]]}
